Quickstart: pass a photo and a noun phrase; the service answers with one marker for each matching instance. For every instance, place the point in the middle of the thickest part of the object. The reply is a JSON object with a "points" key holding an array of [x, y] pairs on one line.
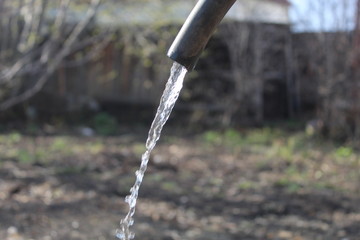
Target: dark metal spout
{"points": [[197, 30]]}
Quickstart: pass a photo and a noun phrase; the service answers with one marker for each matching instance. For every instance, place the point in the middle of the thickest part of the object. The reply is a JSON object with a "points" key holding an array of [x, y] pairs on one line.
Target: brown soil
{"points": [[190, 191]]}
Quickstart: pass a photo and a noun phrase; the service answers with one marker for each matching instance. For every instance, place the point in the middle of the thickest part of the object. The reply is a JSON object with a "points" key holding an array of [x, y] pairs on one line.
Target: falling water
{"points": [[166, 105]]}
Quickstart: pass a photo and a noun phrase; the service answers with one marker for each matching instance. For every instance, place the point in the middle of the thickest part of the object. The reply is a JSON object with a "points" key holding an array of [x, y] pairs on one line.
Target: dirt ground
{"points": [[70, 187]]}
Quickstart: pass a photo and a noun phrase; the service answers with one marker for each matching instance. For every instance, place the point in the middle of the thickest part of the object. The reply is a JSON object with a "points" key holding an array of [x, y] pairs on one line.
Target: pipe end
{"points": [[188, 62]]}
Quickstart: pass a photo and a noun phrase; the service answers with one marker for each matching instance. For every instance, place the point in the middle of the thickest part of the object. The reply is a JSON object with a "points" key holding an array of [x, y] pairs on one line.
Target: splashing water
{"points": [[167, 102]]}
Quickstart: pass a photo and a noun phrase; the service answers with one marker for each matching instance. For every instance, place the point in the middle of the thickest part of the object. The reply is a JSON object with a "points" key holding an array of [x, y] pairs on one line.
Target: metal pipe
{"points": [[197, 30]]}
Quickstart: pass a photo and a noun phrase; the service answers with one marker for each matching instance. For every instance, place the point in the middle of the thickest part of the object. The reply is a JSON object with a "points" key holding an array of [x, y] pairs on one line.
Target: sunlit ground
{"points": [[252, 184]]}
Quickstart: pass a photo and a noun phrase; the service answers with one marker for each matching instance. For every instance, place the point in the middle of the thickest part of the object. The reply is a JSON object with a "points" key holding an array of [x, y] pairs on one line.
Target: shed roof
{"points": [[144, 12], [284, 2], [170, 11]]}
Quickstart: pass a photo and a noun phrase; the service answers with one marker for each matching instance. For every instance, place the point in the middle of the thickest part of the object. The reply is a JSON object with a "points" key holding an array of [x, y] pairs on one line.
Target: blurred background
{"points": [[263, 142]]}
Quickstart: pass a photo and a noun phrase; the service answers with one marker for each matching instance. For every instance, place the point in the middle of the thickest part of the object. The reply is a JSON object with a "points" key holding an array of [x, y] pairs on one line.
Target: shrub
{"points": [[105, 124]]}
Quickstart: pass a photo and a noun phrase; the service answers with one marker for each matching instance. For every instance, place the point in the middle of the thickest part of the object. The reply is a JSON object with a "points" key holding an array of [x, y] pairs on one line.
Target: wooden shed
{"points": [[133, 67]]}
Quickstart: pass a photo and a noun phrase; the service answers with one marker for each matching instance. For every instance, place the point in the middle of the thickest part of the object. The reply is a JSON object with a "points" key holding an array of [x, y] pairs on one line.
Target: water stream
{"points": [[167, 102]]}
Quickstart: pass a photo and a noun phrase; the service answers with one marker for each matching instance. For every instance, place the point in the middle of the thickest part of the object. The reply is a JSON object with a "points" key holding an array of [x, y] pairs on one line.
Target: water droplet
{"points": [[132, 202], [131, 222], [120, 235], [139, 176]]}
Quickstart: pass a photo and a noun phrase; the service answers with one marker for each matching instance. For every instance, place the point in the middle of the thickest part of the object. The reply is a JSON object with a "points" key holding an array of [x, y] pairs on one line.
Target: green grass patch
{"points": [[344, 152], [11, 138], [289, 185], [213, 137], [105, 124], [262, 136], [60, 144], [246, 185], [171, 186], [25, 156]]}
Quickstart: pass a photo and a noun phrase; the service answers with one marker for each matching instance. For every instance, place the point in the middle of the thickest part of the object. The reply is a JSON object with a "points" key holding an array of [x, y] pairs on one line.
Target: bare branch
{"points": [[57, 58]]}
